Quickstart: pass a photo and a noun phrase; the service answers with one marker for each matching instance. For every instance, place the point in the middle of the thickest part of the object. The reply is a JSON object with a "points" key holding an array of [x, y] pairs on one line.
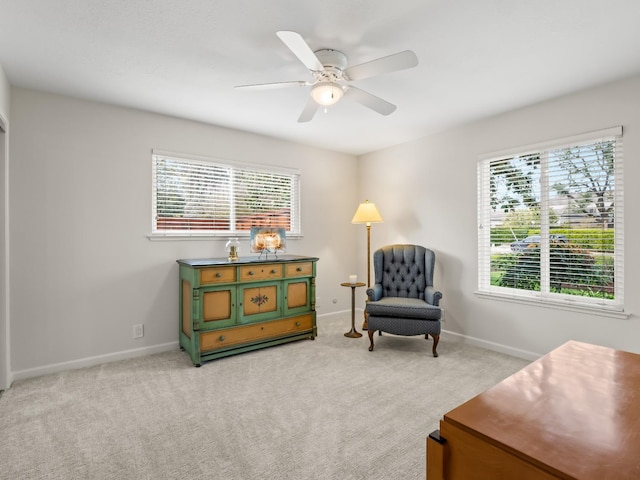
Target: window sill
{"points": [[163, 237], [601, 311]]}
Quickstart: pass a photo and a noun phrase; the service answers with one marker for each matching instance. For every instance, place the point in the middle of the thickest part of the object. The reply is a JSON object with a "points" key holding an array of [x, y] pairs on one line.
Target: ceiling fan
{"points": [[332, 77]]}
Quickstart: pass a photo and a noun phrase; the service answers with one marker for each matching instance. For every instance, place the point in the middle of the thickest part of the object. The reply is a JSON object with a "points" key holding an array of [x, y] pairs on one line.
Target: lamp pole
{"points": [[368, 254]]}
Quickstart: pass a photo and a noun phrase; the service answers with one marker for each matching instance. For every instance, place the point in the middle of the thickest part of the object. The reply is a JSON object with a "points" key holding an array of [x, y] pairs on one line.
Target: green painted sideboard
{"points": [[233, 307]]}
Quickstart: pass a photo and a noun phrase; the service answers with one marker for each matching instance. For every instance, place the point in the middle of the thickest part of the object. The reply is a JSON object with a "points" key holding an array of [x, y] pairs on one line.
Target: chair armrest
{"points": [[432, 296], [374, 294]]}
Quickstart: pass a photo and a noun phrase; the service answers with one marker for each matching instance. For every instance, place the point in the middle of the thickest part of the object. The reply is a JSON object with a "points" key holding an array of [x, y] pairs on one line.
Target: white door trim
{"points": [[5, 332]]}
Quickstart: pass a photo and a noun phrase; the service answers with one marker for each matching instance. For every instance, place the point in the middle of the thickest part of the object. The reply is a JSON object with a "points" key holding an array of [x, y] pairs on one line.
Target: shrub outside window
{"points": [[550, 221], [195, 196]]}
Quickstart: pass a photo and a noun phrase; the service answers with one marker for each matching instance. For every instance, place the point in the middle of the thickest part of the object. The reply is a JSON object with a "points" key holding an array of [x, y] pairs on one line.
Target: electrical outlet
{"points": [[138, 331]]}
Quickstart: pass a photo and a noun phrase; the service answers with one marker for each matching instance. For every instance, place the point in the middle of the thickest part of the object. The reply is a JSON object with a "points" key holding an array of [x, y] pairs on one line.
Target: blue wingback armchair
{"points": [[403, 300]]}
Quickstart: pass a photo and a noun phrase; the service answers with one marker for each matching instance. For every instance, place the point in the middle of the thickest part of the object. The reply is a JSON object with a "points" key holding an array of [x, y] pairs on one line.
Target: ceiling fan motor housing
{"points": [[334, 62]]}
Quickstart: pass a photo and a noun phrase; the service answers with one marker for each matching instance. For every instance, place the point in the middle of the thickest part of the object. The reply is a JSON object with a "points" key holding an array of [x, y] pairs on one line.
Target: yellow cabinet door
{"points": [[259, 301], [297, 296], [214, 307]]}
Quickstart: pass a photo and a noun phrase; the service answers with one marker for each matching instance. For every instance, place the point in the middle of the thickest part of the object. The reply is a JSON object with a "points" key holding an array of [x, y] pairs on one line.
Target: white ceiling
{"points": [[183, 57]]}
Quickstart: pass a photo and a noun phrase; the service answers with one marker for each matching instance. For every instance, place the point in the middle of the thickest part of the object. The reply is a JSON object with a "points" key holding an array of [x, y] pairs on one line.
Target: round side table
{"points": [[353, 333]]}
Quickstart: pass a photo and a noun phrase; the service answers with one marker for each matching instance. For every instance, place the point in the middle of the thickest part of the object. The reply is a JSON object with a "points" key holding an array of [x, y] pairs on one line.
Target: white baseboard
{"points": [[459, 337], [139, 352], [339, 312], [110, 357], [476, 342], [496, 347], [90, 361]]}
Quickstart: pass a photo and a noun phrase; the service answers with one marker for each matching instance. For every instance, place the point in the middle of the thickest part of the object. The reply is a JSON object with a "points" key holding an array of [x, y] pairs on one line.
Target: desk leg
{"points": [[436, 450], [353, 333]]}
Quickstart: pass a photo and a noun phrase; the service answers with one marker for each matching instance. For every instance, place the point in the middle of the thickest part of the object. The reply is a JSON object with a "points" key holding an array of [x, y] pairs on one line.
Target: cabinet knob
{"points": [[297, 324], [218, 275], [250, 272], [222, 338], [299, 269], [273, 271]]}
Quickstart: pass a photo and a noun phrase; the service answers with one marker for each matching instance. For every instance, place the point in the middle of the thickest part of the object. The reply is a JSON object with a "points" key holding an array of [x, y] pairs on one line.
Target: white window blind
{"points": [[203, 197], [551, 222]]}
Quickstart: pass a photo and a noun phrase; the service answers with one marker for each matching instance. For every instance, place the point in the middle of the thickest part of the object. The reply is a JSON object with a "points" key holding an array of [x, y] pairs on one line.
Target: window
{"points": [[550, 221], [204, 197]]}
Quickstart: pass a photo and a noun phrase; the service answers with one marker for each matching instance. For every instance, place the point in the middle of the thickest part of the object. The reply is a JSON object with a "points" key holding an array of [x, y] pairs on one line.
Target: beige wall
{"points": [[426, 190], [84, 271]]}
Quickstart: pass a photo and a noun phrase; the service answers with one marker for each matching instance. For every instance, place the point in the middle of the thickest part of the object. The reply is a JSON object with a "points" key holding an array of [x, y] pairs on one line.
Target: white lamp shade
{"points": [[367, 213], [326, 93]]}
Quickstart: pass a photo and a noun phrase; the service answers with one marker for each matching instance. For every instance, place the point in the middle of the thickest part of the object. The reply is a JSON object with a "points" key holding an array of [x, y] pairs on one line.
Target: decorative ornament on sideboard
{"points": [[266, 240], [233, 249]]}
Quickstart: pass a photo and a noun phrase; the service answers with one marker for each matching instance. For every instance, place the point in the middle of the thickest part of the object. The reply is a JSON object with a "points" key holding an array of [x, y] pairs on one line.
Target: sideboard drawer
{"points": [[252, 273], [217, 275], [301, 269], [260, 331]]}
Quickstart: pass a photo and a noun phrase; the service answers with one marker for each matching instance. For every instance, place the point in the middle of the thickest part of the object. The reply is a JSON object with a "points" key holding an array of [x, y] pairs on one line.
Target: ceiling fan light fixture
{"points": [[326, 93]]}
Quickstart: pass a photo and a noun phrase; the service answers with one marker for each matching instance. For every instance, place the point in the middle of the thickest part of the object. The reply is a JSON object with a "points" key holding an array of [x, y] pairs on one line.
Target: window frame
{"points": [[613, 308], [295, 230]]}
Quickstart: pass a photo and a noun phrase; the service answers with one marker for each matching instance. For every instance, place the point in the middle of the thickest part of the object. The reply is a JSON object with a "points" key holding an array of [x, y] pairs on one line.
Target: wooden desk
{"points": [[572, 414]]}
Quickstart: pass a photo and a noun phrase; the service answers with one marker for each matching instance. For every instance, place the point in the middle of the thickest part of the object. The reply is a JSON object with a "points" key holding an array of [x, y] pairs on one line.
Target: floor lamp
{"points": [[367, 213]]}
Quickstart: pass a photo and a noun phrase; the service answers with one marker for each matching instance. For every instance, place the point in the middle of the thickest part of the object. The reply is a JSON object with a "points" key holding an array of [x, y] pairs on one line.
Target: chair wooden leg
{"points": [[371, 332], [436, 339]]}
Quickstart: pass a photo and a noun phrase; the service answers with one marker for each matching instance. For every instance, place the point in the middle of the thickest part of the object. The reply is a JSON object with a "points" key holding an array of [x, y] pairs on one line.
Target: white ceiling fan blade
{"points": [[391, 63], [301, 49], [309, 111], [368, 100], [269, 86]]}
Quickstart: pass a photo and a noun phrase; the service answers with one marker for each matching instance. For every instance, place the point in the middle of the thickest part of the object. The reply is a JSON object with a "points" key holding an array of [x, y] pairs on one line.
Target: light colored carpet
{"points": [[323, 409]]}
